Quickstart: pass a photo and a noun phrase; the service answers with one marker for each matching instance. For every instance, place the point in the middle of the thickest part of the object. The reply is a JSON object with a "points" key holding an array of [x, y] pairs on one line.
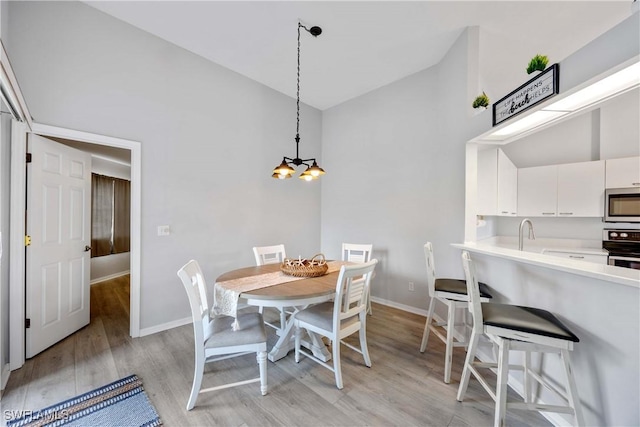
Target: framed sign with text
{"points": [[539, 88]]}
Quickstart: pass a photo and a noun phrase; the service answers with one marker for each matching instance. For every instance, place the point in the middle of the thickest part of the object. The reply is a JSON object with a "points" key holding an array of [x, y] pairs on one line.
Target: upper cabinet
{"points": [[497, 183], [538, 191], [569, 190], [581, 189], [623, 173]]}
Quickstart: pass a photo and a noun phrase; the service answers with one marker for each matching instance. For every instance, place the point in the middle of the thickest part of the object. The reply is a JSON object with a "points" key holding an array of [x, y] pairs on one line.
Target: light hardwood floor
{"points": [[403, 386]]}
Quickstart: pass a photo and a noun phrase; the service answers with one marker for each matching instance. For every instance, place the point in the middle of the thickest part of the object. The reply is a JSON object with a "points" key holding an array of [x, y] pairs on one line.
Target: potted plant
{"points": [[537, 63], [481, 102]]}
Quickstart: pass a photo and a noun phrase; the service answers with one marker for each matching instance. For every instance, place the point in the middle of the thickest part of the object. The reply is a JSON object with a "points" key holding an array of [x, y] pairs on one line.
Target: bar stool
{"points": [[452, 293], [512, 327]]}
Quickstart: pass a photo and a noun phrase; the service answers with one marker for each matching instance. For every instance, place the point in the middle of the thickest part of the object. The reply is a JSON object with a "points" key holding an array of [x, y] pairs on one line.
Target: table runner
{"points": [[227, 293]]}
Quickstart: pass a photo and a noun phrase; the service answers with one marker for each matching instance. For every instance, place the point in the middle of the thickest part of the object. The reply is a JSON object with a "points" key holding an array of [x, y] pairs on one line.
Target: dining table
{"points": [[268, 286]]}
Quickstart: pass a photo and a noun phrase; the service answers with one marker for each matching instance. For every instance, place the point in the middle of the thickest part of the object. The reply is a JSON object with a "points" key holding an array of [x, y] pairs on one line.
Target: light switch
{"points": [[164, 230]]}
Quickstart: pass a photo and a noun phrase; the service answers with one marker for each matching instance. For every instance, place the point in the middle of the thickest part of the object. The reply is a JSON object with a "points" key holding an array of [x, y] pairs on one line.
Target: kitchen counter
{"points": [[505, 248]]}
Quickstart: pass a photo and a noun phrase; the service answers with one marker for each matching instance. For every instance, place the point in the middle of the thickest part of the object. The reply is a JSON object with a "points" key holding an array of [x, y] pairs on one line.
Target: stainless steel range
{"points": [[623, 247]]}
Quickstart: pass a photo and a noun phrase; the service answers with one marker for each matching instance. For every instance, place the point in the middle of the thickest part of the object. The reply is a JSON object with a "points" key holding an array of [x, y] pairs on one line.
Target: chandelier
{"points": [[285, 169]]}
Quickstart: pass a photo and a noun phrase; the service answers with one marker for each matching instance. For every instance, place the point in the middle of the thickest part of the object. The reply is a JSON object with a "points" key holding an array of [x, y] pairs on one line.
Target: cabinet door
{"points": [[578, 256], [623, 173], [538, 191], [581, 189], [487, 181], [507, 186]]}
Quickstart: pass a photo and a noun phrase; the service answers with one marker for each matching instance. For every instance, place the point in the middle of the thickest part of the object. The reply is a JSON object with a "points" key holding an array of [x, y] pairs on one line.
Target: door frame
{"points": [[17, 313]]}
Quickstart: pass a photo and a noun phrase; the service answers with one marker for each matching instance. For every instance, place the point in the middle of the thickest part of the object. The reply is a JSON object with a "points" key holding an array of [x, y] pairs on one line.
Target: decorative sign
{"points": [[539, 88]]}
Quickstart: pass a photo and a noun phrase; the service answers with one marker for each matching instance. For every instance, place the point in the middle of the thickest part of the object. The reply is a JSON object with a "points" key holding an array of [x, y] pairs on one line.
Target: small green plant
{"points": [[481, 101], [537, 63]]}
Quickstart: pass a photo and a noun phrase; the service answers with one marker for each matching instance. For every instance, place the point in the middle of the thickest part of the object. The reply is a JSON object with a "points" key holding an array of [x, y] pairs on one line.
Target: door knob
{"points": [[87, 248]]}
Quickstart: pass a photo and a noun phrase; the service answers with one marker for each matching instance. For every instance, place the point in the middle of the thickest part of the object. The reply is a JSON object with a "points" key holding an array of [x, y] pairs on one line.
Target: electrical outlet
{"points": [[164, 230], [411, 287]]}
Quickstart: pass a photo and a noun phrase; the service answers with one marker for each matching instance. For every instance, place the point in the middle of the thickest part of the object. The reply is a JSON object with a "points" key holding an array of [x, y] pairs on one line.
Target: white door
{"points": [[58, 259]]}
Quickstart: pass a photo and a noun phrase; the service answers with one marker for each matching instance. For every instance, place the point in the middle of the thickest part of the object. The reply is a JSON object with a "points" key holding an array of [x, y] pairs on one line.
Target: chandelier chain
{"points": [[298, 87]]}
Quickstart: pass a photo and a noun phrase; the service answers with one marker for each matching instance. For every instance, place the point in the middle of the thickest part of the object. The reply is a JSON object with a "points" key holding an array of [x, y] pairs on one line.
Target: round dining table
{"points": [[297, 294]]}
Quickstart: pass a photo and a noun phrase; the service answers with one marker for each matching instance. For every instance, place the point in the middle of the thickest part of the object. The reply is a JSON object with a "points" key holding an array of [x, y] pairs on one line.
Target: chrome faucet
{"points": [[532, 236]]}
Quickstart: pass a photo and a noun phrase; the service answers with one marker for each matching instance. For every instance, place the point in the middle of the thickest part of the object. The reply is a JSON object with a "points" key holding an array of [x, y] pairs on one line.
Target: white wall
{"points": [[396, 157], [210, 140], [620, 126]]}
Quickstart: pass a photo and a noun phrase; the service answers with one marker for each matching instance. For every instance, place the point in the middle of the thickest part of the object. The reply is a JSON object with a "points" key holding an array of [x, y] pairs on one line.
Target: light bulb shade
{"points": [[284, 169], [307, 176], [278, 176], [316, 170]]}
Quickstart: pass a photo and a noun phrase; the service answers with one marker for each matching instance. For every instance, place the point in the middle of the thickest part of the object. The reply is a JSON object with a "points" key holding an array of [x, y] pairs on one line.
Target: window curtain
{"points": [[121, 215], [101, 214]]}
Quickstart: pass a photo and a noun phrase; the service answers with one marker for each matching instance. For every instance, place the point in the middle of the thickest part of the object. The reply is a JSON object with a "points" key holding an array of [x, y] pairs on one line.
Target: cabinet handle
{"points": [[566, 213], [576, 257], [505, 212], [635, 183], [548, 213]]}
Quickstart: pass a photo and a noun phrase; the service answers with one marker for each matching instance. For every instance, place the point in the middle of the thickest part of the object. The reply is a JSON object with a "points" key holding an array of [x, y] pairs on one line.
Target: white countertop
{"points": [[533, 255]]}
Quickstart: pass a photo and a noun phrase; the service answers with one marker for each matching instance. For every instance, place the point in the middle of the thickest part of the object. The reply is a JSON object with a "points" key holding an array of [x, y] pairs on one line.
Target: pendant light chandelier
{"points": [[285, 169]]}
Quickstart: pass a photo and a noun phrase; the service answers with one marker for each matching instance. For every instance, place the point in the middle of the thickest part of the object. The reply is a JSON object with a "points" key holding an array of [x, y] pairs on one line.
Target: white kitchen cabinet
{"points": [[538, 191], [507, 186], [497, 183], [579, 256], [581, 189], [623, 173], [567, 190]]}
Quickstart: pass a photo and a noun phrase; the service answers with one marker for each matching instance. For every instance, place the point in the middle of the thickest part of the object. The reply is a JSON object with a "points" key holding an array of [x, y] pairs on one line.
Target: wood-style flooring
{"points": [[403, 387]]}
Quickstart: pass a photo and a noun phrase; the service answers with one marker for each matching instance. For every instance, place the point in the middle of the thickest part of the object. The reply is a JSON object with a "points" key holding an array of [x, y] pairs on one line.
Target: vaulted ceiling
{"points": [[364, 44]]}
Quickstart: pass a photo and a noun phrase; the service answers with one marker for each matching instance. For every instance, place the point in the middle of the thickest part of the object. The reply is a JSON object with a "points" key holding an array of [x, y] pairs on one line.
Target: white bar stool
{"points": [[452, 293], [513, 327]]}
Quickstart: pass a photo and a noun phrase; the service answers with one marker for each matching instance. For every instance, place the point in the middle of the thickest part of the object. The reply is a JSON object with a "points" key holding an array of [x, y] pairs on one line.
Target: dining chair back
{"points": [[340, 318], [453, 294], [215, 338], [269, 254], [274, 254], [517, 328], [356, 252]]}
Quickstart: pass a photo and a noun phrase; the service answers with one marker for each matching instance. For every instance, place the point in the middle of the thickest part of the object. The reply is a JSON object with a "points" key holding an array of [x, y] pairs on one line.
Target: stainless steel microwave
{"points": [[622, 205]]}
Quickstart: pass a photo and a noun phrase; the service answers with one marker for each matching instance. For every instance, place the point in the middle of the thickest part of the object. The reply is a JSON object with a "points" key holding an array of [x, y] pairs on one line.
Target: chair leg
{"points": [[448, 359], [198, 371], [297, 334], [337, 367], [572, 390], [425, 334], [261, 357], [466, 372], [363, 340], [501, 385], [527, 377]]}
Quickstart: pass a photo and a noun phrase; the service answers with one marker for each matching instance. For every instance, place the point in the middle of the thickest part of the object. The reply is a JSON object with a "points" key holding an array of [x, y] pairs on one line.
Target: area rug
{"points": [[121, 403]]}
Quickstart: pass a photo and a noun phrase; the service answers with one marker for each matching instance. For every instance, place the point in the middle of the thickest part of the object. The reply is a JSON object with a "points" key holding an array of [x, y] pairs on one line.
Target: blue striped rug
{"points": [[121, 403]]}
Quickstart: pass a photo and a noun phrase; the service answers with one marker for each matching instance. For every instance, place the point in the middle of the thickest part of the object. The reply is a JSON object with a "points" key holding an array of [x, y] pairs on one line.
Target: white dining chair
{"points": [[274, 254], [340, 318], [453, 294], [355, 252], [214, 337], [516, 328]]}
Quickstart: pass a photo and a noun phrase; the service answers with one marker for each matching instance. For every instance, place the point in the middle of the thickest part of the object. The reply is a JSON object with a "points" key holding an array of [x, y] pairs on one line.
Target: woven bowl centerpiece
{"points": [[316, 266]]}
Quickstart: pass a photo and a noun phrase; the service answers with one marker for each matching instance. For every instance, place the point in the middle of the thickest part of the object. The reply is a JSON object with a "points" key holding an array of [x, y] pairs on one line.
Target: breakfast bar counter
{"points": [[599, 303]]}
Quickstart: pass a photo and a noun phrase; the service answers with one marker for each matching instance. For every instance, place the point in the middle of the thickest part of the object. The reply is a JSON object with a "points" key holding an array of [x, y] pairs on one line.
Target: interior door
{"points": [[58, 258]]}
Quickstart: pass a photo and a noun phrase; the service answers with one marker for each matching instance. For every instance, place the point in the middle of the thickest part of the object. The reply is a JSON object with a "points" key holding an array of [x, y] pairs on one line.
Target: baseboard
{"points": [[109, 277], [165, 326], [4, 378]]}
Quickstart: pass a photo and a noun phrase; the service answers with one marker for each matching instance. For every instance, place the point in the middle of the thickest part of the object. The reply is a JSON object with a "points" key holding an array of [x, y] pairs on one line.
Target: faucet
{"points": [[532, 236]]}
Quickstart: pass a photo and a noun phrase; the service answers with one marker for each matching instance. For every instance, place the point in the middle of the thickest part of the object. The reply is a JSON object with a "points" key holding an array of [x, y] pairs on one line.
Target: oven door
{"points": [[623, 261]]}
